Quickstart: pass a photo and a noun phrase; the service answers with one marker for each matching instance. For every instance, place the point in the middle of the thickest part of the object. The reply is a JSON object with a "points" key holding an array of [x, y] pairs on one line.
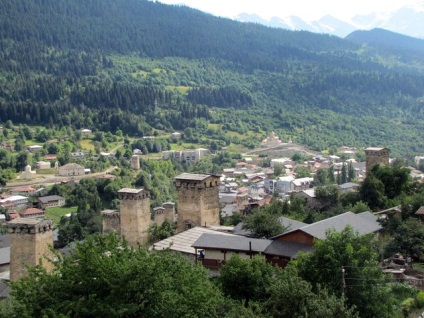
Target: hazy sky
{"points": [[305, 9]]}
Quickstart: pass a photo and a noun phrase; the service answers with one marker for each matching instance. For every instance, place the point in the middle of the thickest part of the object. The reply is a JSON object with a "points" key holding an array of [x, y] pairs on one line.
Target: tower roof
{"points": [[130, 190], [375, 149], [192, 176]]}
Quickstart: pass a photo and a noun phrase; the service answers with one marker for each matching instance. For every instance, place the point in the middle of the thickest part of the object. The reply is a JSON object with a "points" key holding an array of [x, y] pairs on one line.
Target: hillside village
{"points": [[204, 202]]}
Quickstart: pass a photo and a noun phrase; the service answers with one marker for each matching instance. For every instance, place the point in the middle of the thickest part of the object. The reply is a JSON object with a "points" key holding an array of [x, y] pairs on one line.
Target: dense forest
{"points": [[137, 65]]}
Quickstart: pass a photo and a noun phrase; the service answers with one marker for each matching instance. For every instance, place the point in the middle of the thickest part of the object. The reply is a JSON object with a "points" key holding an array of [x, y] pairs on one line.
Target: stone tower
{"points": [[165, 212], [198, 200], [169, 211], [111, 221], [30, 243], [135, 162], [134, 215], [376, 156]]}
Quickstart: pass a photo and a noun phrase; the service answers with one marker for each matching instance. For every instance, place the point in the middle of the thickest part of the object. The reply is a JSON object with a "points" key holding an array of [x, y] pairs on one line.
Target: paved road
{"points": [[47, 180]]}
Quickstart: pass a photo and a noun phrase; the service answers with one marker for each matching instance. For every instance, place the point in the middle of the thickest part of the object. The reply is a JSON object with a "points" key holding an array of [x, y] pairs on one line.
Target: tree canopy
{"points": [[104, 277]]}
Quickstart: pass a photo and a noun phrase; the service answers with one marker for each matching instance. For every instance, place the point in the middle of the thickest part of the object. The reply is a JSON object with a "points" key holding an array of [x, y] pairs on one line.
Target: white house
{"points": [[188, 155], [43, 165], [71, 169]]}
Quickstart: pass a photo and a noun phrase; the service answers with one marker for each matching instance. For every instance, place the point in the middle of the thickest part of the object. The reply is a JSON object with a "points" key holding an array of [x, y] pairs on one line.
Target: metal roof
{"points": [[363, 223], [287, 249], [291, 224], [234, 243], [192, 176], [182, 242], [50, 198], [130, 190]]}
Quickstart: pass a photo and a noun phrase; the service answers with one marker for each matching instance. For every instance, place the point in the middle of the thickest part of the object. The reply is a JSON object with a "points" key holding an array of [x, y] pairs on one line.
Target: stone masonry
{"points": [[376, 156], [134, 215], [111, 221], [198, 200], [31, 240]]}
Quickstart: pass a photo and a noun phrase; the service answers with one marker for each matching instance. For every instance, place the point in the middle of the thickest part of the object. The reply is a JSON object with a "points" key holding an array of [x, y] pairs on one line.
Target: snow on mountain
{"points": [[408, 20]]}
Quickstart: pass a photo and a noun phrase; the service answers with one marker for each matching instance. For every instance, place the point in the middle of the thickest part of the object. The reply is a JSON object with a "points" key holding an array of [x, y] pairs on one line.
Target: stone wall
{"points": [[375, 157], [198, 202], [31, 241], [134, 215], [111, 222]]}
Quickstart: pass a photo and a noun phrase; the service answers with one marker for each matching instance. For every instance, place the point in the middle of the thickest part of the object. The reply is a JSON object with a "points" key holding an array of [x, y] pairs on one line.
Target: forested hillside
{"points": [[105, 64]]}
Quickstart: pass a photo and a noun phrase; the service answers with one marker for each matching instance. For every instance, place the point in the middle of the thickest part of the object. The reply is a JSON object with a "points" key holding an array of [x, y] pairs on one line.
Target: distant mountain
{"points": [[408, 20], [104, 64], [388, 40]]}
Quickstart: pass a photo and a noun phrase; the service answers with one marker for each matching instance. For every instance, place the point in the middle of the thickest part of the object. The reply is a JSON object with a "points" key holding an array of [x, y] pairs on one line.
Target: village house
{"points": [[213, 250], [78, 155], [26, 191], [14, 203], [281, 185], [301, 184], [311, 199], [35, 148], [50, 157], [188, 155], [43, 165], [348, 186], [298, 237], [86, 131], [280, 250], [182, 242], [50, 201], [280, 161], [71, 169], [176, 135], [137, 152], [31, 213]]}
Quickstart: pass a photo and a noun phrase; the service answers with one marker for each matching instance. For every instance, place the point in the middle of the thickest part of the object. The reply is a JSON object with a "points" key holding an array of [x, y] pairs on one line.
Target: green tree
{"points": [[328, 195], [293, 297], [345, 264], [372, 192], [395, 178], [302, 172], [104, 277], [321, 177], [246, 279], [161, 232], [278, 169], [408, 239], [263, 224]]}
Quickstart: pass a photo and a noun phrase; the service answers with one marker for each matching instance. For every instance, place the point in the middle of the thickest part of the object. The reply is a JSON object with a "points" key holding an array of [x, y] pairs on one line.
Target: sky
{"points": [[308, 10]]}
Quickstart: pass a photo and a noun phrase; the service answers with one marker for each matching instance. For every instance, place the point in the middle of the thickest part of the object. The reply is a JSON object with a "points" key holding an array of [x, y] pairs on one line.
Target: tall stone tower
{"points": [[165, 212], [134, 215], [135, 162], [376, 156], [198, 200], [111, 221], [30, 243]]}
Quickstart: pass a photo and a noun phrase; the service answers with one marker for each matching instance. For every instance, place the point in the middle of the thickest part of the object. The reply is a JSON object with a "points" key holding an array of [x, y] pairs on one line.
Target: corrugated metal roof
{"points": [[130, 190], [287, 249], [363, 223], [50, 198], [182, 242], [234, 243], [192, 176], [290, 223]]}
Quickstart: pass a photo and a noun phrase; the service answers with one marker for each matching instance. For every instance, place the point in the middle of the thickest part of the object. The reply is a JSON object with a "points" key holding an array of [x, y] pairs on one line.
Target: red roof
{"points": [[420, 211], [31, 211], [23, 188], [50, 157]]}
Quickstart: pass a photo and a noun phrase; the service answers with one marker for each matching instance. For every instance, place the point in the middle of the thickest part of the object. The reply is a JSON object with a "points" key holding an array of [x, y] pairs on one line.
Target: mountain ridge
{"points": [[104, 65], [408, 20]]}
